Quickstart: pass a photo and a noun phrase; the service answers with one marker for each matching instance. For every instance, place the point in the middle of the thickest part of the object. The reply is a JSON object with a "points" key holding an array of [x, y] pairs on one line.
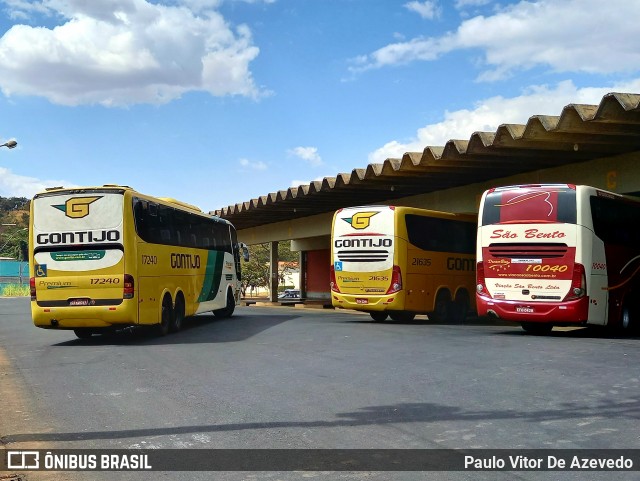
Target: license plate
{"points": [[362, 301], [79, 302], [524, 309]]}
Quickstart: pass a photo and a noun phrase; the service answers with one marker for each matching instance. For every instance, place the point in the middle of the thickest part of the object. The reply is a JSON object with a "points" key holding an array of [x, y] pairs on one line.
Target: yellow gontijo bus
{"points": [[107, 257], [403, 261]]}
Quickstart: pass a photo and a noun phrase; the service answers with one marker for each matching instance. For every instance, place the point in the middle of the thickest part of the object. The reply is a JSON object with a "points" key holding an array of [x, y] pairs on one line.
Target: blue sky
{"points": [[216, 102]]}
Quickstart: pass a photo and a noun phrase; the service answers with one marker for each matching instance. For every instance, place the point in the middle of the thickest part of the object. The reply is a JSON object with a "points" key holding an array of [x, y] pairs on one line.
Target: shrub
{"points": [[14, 290]]}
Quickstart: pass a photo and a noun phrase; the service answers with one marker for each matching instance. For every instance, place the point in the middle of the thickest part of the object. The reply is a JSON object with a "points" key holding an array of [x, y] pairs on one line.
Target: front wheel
{"points": [[226, 311], [537, 327]]}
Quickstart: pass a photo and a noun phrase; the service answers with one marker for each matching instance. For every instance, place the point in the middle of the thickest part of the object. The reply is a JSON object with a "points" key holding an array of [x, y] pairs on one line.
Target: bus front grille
{"points": [[527, 250], [362, 256]]}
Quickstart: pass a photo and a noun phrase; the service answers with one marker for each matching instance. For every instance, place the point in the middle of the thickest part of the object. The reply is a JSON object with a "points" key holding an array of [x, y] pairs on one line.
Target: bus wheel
{"points": [[403, 316], [378, 316], [178, 315], [460, 308], [83, 333], [537, 327], [162, 329], [442, 311], [627, 318], [227, 311]]}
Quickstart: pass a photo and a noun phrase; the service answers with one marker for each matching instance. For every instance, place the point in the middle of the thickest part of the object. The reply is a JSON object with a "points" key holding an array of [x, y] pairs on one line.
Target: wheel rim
{"points": [[626, 318]]}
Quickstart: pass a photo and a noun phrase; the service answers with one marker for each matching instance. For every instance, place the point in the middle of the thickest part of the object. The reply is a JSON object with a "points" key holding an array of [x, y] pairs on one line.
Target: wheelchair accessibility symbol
{"points": [[337, 265], [41, 270]]}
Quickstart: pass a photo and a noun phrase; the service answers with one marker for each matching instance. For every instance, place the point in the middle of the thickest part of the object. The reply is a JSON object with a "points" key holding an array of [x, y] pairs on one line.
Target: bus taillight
{"points": [[396, 281], [32, 288], [578, 283], [481, 287], [128, 286], [332, 279]]}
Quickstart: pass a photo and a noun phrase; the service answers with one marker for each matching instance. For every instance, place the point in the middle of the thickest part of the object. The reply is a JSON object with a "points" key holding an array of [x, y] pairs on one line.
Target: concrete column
{"points": [[273, 261], [302, 263]]}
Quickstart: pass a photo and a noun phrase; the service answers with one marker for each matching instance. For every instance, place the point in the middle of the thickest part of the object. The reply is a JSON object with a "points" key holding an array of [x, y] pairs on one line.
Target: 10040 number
{"points": [[546, 268]]}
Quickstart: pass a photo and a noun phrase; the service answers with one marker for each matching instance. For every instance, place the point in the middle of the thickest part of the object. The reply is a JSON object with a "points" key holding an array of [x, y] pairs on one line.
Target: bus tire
{"points": [[537, 327], [628, 319], [442, 308], [227, 311], [83, 333], [460, 308], [166, 315], [379, 316], [178, 314], [403, 316]]}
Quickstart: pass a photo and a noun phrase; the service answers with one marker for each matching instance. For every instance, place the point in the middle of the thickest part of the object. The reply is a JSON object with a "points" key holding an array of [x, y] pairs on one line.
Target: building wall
{"points": [[317, 275]]}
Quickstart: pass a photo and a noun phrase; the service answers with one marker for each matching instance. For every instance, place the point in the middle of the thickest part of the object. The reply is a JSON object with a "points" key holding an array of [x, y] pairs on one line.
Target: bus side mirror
{"points": [[245, 252]]}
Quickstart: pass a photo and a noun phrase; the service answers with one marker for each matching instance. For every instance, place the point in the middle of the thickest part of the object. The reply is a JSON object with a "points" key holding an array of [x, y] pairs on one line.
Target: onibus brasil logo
{"points": [[77, 207], [360, 220]]}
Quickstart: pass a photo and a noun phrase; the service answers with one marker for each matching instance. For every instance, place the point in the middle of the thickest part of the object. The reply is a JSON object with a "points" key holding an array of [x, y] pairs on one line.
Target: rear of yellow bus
{"points": [[77, 259], [364, 275]]}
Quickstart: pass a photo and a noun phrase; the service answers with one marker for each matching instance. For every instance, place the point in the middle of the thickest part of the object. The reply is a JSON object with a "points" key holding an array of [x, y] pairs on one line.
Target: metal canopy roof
{"points": [[579, 133]]}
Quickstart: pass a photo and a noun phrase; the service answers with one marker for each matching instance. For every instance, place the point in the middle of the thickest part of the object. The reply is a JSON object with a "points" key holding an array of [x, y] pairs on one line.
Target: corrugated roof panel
{"points": [[581, 132]]}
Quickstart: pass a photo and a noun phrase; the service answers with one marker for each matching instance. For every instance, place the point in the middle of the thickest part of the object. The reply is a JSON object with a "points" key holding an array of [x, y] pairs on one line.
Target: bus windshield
{"points": [[530, 204]]}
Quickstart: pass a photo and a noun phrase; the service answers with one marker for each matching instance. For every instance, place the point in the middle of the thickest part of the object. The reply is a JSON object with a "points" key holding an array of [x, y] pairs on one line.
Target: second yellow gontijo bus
{"points": [[558, 254], [403, 261], [108, 257]]}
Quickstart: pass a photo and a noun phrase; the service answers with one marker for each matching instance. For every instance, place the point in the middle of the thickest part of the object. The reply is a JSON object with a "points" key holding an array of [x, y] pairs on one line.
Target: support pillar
{"points": [[273, 267]]}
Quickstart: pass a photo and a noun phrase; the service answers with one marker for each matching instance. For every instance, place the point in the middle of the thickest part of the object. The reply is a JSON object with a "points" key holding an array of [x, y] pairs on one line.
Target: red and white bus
{"points": [[558, 254]]}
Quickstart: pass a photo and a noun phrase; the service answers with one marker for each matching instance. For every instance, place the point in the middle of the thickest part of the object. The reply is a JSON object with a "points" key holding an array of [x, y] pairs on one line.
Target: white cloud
{"points": [[125, 52], [426, 9], [308, 154], [248, 165], [14, 185], [572, 35], [487, 115]]}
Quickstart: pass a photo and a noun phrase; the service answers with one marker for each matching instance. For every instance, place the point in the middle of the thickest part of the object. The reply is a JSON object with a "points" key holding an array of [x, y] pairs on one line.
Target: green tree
{"points": [[256, 272], [14, 228], [13, 242]]}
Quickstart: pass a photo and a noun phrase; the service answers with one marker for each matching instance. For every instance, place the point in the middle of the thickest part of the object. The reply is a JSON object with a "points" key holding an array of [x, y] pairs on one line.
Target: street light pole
{"points": [[11, 144]]}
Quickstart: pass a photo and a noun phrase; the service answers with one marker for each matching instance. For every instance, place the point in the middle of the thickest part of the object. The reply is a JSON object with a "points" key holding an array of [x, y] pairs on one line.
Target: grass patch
{"points": [[14, 290]]}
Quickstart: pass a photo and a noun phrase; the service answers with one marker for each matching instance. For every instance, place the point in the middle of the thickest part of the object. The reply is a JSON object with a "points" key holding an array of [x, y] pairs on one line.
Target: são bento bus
{"points": [[403, 261], [558, 255], [107, 257]]}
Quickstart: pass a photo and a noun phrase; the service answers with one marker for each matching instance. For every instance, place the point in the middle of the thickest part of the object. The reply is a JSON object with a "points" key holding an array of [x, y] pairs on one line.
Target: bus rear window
{"points": [[530, 205]]}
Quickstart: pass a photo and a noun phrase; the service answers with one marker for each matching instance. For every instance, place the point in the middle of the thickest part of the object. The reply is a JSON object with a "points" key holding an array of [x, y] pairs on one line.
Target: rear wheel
{"points": [[460, 308], [227, 311], [628, 320], [403, 316], [379, 316], [166, 316], [178, 315], [537, 327], [442, 309], [83, 333]]}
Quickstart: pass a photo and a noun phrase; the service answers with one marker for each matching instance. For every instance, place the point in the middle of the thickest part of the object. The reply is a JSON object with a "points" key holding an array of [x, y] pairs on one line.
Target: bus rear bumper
{"points": [[82, 317], [569, 312], [366, 303]]}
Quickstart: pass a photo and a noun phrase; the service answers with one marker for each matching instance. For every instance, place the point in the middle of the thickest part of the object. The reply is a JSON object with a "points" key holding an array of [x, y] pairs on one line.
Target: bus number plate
{"points": [[79, 302], [362, 301], [524, 309]]}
